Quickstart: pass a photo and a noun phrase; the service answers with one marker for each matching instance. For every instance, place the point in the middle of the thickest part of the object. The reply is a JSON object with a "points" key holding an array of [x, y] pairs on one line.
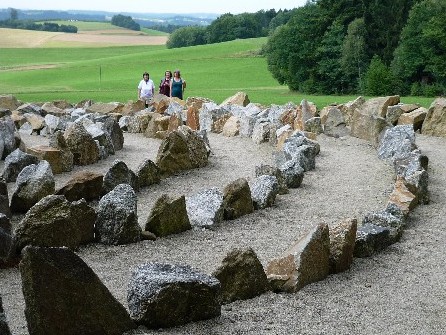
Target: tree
{"points": [[378, 78], [384, 21], [354, 58], [187, 36], [291, 49], [13, 14], [125, 22], [330, 76], [421, 54]]}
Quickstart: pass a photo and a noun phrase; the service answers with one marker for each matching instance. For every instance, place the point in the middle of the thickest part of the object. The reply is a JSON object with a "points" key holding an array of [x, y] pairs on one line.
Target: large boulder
{"points": [[205, 208], [371, 238], [119, 173], [5, 241], [105, 108], [4, 328], [111, 127], [8, 101], [81, 144], [165, 295], [168, 216], [56, 222], [241, 276], [33, 183], [240, 98], [264, 190], [415, 118], [182, 149], [305, 262], [4, 199], [117, 221], [15, 162], [334, 123], [57, 140], [435, 121], [237, 199], [397, 143], [369, 120], [148, 173], [58, 159], [83, 184], [269, 170], [342, 245], [64, 296]]}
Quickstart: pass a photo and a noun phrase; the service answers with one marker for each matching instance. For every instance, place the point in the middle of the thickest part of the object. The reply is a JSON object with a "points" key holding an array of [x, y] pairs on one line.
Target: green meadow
{"points": [[108, 74]]}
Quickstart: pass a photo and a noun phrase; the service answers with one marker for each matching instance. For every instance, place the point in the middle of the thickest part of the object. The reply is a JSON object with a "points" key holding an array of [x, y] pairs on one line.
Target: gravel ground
{"points": [[399, 291]]}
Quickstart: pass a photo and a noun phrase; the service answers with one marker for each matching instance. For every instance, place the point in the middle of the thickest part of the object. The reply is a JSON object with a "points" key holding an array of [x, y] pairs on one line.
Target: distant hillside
{"points": [[144, 19]]}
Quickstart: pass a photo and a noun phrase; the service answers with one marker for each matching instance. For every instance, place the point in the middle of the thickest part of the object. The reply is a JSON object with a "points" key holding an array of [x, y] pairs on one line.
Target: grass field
{"points": [[112, 73]]}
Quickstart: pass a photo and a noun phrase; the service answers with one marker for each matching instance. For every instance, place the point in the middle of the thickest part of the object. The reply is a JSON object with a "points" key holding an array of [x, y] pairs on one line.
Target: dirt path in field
{"points": [[399, 291], [19, 38]]}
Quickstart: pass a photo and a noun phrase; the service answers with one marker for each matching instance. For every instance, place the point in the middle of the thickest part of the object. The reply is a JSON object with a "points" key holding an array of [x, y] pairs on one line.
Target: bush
{"points": [[378, 78]]}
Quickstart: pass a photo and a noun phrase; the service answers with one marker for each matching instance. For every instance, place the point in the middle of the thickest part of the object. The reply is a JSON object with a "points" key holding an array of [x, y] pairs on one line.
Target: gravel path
{"points": [[399, 291]]}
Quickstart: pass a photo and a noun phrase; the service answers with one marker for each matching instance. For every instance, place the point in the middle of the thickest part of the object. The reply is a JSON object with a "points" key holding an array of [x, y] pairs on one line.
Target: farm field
{"points": [[45, 66]]}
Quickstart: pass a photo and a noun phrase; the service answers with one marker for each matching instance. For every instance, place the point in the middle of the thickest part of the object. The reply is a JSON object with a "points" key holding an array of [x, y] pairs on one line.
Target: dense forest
{"points": [[344, 46], [362, 46]]}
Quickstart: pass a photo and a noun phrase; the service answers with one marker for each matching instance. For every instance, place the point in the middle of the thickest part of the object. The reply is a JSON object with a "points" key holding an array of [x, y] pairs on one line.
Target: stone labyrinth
{"points": [[42, 227]]}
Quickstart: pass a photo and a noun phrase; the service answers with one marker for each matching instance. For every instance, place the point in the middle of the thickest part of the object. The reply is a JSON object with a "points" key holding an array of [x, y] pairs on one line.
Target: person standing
{"points": [[177, 85], [146, 89], [164, 87]]}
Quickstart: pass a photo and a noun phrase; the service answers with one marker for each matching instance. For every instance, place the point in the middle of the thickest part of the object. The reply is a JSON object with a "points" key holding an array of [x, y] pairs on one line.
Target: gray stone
{"points": [[4, 199], [56, 222], [264, 190], [148, 173], [4, 328], [205, 208], [393, 113], [371, 238], [241, 276], [119, 173], [15, 162], [33, 183], [112, 128], [261, 131], [10, 138], [165, 295], [168, 216], [64, 296], [209, 114], [292, 171], [273, 171], [5, 240], [117, 221], [314, 125], [397, 143]]}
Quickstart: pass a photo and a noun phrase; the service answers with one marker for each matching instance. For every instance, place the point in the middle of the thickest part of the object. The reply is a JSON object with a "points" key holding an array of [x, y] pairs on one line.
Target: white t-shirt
{"points": [[146, 88]]}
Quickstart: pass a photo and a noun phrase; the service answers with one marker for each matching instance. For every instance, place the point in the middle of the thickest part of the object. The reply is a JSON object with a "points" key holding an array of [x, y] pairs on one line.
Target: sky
{"points": [[151, 6]]}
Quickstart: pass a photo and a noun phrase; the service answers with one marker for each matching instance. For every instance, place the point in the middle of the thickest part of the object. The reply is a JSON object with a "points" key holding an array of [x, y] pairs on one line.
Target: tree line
{"points": [[14, 23], [228, 27], [125, 22], [362, 46]]}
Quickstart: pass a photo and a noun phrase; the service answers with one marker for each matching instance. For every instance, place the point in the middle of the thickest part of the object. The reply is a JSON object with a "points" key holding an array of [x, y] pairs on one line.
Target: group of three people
{"points": [[169, 86]]}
